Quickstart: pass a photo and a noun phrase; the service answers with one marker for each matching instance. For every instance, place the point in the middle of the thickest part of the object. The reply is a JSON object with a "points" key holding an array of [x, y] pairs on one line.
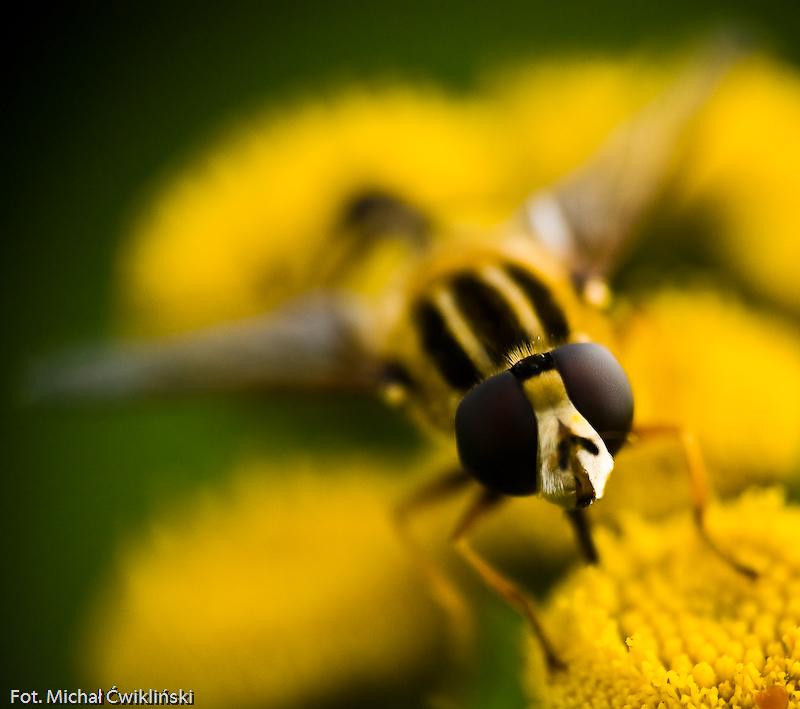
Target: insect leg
{"points": [[700, 489], [494, 579], [368, 218], [444, 593], [583, 533], [376, 213]]}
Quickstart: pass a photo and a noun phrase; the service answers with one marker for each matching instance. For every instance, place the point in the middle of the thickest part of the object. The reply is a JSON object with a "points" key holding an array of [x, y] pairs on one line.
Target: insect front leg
{"points": [[700, 488], [511, 593]]}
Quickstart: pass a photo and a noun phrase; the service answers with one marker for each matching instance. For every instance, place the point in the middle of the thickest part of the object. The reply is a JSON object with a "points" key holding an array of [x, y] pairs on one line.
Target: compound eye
{"points": [[599, 389], [497, 437]]}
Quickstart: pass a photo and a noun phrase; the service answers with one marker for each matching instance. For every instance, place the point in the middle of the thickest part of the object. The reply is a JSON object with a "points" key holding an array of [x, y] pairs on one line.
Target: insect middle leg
{"points": [[444, 593], [700, 489], [486, 502]]}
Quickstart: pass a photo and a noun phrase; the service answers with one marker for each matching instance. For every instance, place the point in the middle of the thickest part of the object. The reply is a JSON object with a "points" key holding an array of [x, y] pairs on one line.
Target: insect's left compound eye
{"points": [[599, 388], [497, 436]]}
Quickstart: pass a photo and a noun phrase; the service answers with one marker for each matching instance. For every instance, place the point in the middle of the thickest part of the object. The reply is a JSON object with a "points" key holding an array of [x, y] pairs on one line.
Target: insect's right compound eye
{"points": [[497, 437], [599, 388]]}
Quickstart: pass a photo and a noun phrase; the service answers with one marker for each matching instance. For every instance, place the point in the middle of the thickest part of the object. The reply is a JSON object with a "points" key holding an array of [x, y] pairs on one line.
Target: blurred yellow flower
{"points": [[662, 622], [288, 591], [251, 223], [744, 162], [556, 113], [700, 359]]}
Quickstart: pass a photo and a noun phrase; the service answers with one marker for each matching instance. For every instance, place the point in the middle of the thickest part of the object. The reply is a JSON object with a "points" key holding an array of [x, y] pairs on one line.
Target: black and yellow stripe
{"points": [[470, 321], [490, 316], [438, 342], [554, 322]]}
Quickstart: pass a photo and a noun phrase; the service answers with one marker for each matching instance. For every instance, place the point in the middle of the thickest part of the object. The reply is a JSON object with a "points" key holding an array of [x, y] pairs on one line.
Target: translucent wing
{"points": [[318, 342], [589, 217]]}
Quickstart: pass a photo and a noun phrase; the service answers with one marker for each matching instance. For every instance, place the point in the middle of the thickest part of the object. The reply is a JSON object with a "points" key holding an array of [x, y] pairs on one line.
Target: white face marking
{"points": [[558, 484]]}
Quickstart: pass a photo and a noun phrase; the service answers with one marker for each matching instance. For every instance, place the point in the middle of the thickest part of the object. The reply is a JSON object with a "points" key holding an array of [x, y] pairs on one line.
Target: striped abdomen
{"points": [[471, 319]]}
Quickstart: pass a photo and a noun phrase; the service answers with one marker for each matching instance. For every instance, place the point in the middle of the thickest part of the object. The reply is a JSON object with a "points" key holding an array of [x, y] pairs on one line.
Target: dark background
{"points": [[103, 102]]}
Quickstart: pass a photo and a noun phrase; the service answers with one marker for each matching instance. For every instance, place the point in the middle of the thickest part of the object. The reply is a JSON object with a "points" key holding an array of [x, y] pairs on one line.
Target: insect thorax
{"points": [[468, 315]]}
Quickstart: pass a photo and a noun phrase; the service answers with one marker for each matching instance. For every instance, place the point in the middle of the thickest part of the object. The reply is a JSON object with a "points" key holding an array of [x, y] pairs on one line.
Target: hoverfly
{"points": [[489, 342]]}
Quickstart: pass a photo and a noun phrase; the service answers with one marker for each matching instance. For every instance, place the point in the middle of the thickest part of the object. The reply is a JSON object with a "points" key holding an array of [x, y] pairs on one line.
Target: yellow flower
{"points": [[556, 113], [253, 222], [283, 592], [700, 359], [664, 623], [746, 152]]}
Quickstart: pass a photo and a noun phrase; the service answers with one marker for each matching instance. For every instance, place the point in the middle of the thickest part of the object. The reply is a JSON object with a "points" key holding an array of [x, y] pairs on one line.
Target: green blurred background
{"points": [[104, 103]]}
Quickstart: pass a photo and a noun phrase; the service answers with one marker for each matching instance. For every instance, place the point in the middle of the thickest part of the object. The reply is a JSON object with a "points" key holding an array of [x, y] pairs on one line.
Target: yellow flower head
{"points": [[662, 622], [744, 162], [700, 359], [278, 594], [255, 220], [556, 114]]}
